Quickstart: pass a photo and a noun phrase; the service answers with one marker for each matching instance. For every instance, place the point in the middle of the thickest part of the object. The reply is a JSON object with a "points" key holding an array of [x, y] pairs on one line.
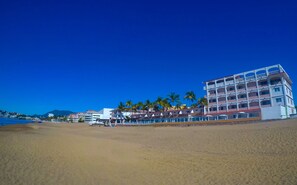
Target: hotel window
{"points": [[277, 89], [278, 100]]}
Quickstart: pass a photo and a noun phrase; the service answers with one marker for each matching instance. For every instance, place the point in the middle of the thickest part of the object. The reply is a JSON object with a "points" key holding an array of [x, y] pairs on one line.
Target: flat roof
{"points": [[262, 68]]}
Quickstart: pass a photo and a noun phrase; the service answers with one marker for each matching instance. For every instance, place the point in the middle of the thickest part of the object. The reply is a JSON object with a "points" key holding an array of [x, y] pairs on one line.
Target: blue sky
{"points": [[80, 55]]}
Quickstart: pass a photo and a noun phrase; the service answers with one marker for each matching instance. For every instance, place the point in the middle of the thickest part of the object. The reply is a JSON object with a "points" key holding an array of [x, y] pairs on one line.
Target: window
{"points": [[277, 89], [278, 100]]}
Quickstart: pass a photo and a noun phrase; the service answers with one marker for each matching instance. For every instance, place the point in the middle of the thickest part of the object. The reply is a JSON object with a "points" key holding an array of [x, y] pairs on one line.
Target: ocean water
{"points": [[8, 121]]}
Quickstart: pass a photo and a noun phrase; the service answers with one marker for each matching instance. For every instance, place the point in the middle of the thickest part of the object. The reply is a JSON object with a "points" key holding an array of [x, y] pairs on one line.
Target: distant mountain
{"points": [[59, 113]]}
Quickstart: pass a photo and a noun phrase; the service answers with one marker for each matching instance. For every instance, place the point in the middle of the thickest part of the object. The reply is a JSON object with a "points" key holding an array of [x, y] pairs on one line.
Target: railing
{"points": [[243, 108], [268, 105], [230, 83], [210, 86], [278, 83], [241, 90], [250, 79], [253, 97], [220, 85], [274, 72], [232, 91], [240, 80], [222, 111], [252, 87], [222, 101], [212, 103], [265, 95], [232, 100], [261, 76]]}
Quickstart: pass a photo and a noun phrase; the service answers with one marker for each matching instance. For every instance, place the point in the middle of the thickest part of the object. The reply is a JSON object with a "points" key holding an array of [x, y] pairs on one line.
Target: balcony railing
{"points": [[230, 101], [230, 83], [212, 103], [254, 107], [265, 95], [261, 77], [250, 79], [253, 97], [220, 85], [243, 108], [252, 87], [232, 91], [268, 105], [241, 90], [222, 111], [211, 86], [263, 86]]}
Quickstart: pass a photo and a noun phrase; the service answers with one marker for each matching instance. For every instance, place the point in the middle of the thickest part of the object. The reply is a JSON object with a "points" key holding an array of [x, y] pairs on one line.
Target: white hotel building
{"points": [[264, 92]]}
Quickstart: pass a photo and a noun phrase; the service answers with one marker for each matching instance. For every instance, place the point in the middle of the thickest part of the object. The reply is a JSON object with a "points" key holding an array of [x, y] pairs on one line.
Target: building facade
{"points": [[103, 115], [264, 92]]}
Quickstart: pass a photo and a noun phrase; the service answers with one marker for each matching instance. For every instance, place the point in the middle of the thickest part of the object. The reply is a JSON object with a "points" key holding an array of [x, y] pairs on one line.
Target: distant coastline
{"points": [[10, 121]]}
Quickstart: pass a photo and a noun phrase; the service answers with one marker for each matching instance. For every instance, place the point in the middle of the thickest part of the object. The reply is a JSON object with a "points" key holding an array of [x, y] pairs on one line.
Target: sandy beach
{"points": [[254, 153]]}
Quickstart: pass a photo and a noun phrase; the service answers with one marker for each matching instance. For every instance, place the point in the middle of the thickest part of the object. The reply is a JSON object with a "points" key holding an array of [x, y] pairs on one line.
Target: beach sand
{"points": [[254, 153]]}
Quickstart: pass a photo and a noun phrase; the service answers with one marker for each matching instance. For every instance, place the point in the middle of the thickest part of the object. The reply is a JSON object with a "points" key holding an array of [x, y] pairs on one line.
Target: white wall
{"points": [[275, 112]]}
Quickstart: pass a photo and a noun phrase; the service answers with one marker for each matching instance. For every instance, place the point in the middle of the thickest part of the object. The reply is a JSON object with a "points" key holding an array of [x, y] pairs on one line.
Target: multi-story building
{"points": [[264, 92], [102, 115]]}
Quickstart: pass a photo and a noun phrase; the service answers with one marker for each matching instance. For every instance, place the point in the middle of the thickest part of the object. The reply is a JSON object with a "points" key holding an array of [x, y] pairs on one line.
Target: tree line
{"points": [[172, 101]]}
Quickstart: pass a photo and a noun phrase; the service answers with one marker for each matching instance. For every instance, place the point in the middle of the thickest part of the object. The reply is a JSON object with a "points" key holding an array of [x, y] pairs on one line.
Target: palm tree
{"points": [[178, 106], [121, 107], [190, 96], [158, 103], [140, 106], [173, 98], [148, 105], [202, 102], [165, 104], [129, 105], [134, 108]]}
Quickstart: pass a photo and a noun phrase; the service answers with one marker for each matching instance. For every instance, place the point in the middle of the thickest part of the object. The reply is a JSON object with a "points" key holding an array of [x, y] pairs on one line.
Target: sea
{"points": [[8, 121]]}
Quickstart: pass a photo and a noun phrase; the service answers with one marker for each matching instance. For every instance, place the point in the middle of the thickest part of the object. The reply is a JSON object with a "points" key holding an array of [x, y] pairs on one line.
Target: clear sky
{"points": [[79, 55]]}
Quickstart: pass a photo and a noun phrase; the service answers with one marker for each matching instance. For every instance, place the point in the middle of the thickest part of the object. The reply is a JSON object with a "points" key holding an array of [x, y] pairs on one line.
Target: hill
{"points": [[59, 113]]}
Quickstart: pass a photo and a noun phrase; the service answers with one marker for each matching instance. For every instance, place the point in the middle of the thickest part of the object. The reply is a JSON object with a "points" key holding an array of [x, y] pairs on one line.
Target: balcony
{"points": [[212, 104], [243, 108], [250, 79], [220, 85], [222, 111], [254, 88], [221, 101], [261, 75], [231, 101], [241, 90], [221, 93], [229, 82], [253, 97], [211, 95], [231, 92], [211, 86], [265, 96]]}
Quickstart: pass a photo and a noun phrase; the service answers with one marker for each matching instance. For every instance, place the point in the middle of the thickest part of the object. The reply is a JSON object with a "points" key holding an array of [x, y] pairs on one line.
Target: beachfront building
{"points": [[182, 115], [103, 115], [264, 92], [118, 116]]}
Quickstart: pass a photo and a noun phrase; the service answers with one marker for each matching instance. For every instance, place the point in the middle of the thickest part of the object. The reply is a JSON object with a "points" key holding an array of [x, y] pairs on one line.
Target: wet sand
{"points": [[254, 153]]}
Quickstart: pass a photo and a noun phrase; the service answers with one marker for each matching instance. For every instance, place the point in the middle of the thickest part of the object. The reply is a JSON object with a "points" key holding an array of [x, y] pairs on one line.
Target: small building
{"points": [[50, 115]]}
